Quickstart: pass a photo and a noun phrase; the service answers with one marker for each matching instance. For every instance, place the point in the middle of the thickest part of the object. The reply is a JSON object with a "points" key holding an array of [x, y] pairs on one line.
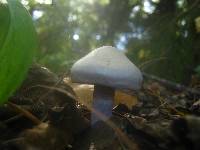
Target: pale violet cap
{"points": [[109, 67]]}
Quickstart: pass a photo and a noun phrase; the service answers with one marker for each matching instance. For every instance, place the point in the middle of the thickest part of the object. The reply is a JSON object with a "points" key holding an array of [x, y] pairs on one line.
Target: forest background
{"points": [[162, 37]]}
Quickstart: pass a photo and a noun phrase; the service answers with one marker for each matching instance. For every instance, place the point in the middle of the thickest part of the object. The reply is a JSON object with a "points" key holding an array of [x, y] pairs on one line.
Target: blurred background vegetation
{"points": [[162, 37]]}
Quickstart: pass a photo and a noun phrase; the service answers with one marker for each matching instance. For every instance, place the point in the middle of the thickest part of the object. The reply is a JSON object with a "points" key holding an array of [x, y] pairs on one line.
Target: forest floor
{"points": [[45, 114]]}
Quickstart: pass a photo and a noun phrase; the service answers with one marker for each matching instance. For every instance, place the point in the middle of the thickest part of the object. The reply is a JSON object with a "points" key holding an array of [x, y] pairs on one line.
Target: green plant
{"points": [[197, 70], [18, 45]]}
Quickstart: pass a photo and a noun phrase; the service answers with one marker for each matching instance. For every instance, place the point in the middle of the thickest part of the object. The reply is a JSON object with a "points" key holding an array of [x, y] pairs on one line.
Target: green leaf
{"points": [[18, 44], [197, 70]]}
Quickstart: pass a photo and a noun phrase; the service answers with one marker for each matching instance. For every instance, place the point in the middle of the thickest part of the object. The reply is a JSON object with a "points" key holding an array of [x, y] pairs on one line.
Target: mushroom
{"points": [[108, 69]]}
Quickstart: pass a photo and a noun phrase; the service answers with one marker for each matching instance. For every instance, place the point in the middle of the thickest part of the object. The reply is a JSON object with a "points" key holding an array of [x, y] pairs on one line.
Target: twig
{"points": [[138, 132], [195, 4], [171, 85], [164, 103], [14, 118], [149, 62], [11, 141], [53, 89], [24, 112]]}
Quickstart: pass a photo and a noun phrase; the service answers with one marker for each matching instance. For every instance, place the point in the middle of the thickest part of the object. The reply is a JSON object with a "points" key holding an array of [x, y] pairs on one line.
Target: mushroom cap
{"points": [[109, 67]]}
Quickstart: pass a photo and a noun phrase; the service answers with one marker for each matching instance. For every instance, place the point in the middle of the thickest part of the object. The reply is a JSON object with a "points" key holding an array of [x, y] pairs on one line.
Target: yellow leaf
{"points": [[85, 95]]}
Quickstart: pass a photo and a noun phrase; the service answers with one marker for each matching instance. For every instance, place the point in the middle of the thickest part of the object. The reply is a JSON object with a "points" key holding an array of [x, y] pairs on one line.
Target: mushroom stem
{"points": [[103, 98]]}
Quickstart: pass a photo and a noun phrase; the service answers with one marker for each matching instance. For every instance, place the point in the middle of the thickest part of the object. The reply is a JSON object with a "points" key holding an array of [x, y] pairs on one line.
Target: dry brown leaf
{"points": [[85, 95]]}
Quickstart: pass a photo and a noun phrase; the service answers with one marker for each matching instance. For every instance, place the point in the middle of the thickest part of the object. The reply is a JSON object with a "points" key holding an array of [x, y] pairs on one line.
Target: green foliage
{"points": [[17, 46], [161, 32], [197, 70]]}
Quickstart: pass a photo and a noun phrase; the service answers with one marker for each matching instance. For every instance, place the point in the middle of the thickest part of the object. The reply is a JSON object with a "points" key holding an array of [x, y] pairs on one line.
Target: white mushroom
{"points": [[108, 69]]}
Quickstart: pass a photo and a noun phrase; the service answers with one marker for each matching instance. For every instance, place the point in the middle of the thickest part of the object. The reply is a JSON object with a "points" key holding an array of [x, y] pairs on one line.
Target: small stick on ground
{"points": [[12, 119], [24, 112], [170, 84]]}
